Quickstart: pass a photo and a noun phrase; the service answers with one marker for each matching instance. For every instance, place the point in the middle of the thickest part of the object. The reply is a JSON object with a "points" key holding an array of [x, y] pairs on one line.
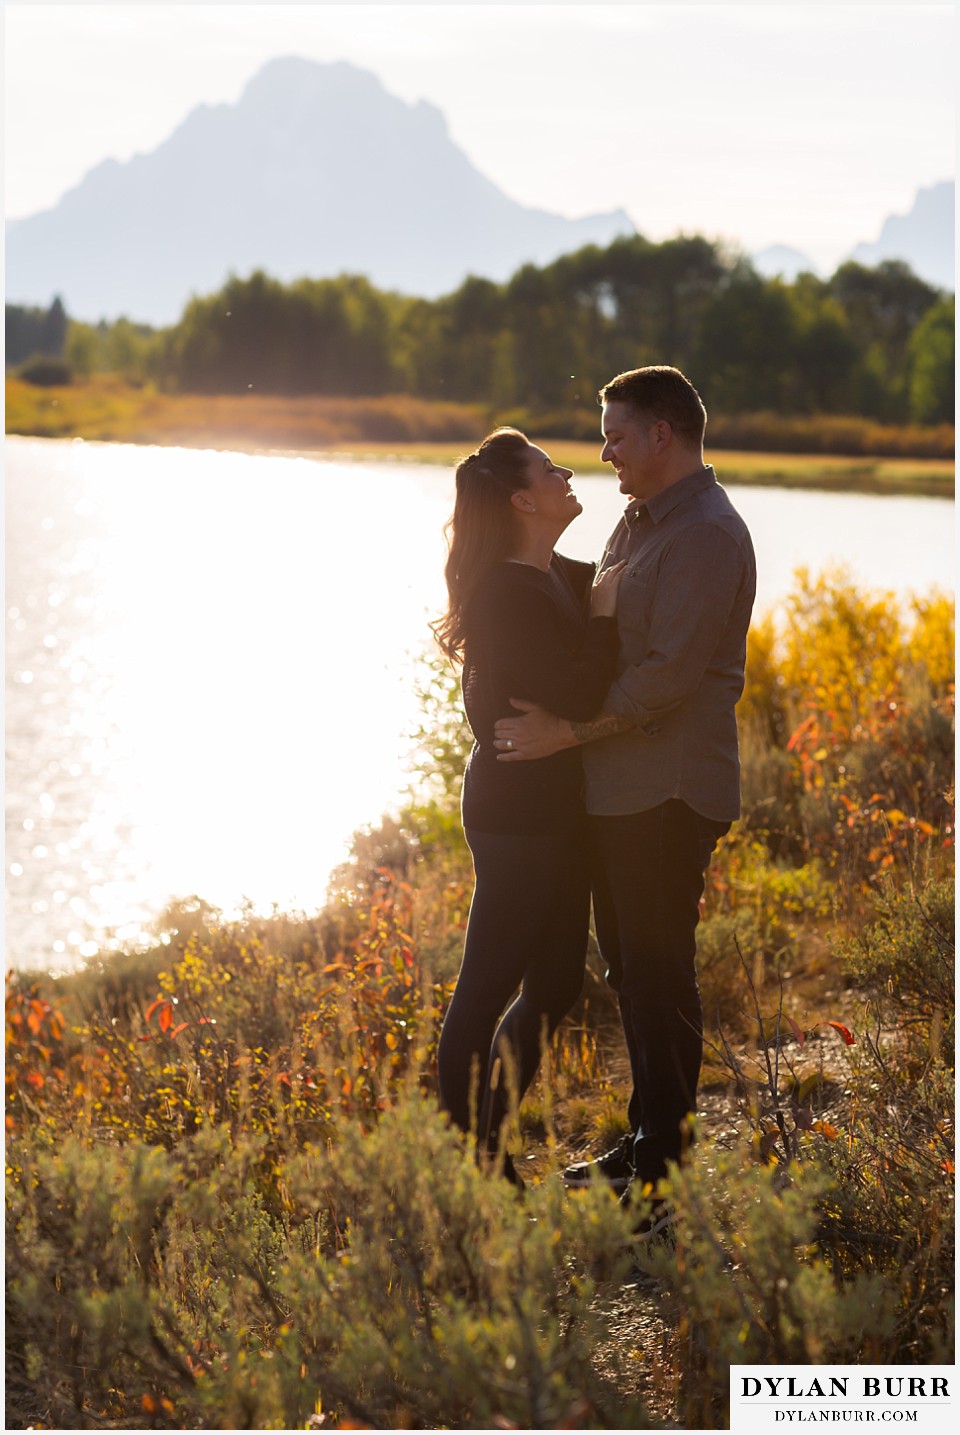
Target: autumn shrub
{"points": [[106, 407], [847, 729], [768, 432], [291, 1022], [904, 958], [830, 434], [744, 1282], [132, 1278], [383, 1280], [761, 912], [871, 1106], [493, 1313], [895, 1169]]}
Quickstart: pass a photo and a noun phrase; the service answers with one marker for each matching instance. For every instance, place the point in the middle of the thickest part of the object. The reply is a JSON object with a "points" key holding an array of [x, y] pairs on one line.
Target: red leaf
{"points": [[179, 1028], [798, 1034], [844, 1031], [152, 1007], [35, 1079], [800, 732], [166, 1017]]}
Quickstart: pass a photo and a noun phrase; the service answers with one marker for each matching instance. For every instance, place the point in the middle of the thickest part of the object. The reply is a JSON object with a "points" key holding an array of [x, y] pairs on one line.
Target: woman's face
{"points": [[548, 487]]}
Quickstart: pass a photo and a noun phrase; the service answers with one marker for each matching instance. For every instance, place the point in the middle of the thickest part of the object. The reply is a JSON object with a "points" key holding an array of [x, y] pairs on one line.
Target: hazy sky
{"points": [[797, 124]]}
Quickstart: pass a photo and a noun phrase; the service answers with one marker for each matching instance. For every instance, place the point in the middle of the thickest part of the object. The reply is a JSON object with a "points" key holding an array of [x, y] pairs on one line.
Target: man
{"points": [[661, 760]]}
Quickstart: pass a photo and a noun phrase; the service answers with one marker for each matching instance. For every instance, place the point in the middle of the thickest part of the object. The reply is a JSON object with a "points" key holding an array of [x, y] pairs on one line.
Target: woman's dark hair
{"points": [[482, 529]]}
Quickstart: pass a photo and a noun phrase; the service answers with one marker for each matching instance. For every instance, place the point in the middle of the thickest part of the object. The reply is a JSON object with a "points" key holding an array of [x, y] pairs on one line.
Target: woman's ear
{"points": [[522, 500]]}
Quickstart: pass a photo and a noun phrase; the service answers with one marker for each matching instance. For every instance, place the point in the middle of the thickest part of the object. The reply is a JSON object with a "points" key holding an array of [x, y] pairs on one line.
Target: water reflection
{"points": [[211, 663]]}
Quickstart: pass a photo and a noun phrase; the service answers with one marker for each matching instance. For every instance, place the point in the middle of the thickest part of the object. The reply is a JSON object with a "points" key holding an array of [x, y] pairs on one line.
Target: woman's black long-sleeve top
{"points": [[529, 636]]}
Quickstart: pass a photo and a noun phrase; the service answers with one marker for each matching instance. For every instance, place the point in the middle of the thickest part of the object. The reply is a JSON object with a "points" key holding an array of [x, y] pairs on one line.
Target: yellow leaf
{"points": [[805, 1087]]}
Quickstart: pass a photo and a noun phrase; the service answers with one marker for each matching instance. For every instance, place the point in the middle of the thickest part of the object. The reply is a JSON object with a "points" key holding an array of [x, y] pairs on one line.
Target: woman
{"points": [[520, 622]]}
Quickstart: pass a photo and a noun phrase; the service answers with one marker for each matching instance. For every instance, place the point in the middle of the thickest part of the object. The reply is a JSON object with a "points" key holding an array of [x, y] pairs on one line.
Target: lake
{"points": [[211, 663]]}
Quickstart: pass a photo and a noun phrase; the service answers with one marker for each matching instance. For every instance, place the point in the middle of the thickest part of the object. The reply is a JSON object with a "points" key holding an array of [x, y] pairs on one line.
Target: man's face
{"points": [[629, 444]]}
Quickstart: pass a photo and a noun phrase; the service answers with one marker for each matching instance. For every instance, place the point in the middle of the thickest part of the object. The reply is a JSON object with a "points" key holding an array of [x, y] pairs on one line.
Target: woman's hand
{"points": [[603, 594]]}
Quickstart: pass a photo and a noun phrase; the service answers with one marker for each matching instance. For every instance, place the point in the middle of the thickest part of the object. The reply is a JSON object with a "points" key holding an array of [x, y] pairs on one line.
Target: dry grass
{"points": [[111, 411], [772, 470], [396, 427]]}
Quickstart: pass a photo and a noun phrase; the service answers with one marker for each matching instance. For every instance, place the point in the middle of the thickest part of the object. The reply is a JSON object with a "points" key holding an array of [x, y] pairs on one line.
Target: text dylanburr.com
{"points": [[798, 1397]]}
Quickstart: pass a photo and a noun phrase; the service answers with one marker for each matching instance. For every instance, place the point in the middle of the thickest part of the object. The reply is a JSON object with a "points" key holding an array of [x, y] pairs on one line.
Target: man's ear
{"points": [[661, 434]]}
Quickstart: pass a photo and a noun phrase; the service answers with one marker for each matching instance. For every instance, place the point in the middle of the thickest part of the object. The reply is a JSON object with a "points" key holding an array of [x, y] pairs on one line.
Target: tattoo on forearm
{"points": [[606, 725]]}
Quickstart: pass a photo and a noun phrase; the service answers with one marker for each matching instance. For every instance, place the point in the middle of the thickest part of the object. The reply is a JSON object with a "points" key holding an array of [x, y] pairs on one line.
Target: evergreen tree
{"points": [[53, 330]]}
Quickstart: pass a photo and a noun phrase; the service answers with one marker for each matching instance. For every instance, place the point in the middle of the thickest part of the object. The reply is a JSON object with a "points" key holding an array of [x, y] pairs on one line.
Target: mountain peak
{"points": [[924, 236], [290, 78], [316, 170]]}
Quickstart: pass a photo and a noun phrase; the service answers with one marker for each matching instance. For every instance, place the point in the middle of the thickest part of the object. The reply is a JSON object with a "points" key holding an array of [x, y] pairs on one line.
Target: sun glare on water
{"points": [[232, 632]]}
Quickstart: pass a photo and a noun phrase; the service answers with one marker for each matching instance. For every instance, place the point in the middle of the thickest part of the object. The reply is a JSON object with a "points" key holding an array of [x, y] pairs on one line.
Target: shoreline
{"points": [[929, 478], [837, 473]]}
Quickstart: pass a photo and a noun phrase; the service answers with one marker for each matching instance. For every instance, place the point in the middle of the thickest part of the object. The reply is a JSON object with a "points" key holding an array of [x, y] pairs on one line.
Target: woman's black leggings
{"points": [[527, 928]]}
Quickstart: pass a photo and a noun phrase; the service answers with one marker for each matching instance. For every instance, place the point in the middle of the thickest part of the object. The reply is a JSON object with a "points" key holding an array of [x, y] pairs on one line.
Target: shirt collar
{"points": [[663, 503]]}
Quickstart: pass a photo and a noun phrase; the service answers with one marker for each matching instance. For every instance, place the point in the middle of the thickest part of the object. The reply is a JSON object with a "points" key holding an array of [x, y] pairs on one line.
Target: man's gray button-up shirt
{"points": [[683, 612]]}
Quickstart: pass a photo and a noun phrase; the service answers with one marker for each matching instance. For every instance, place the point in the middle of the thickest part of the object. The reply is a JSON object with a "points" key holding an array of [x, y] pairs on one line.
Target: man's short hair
{"points": [[660, 392]]}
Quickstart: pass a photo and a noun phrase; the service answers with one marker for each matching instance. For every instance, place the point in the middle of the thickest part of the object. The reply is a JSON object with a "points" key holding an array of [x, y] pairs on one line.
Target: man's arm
{"points": [[603, 725], [537, 733]]}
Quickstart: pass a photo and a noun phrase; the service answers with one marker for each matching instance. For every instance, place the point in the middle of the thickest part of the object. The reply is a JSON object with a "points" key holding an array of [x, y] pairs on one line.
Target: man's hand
{"points": [[536, 734]]}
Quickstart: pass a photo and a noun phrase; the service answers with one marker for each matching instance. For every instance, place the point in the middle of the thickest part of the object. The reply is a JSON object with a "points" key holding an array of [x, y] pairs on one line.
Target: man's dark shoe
{"points": [[614, 1167], [655, 1218]]}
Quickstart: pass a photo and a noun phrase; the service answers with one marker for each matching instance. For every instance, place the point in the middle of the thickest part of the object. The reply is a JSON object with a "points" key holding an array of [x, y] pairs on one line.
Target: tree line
{"points": [[876, 342]]}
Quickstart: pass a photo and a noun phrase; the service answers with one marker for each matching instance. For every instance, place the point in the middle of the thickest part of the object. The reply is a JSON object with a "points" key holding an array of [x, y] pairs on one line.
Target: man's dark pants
{"points": [[647, 870]]}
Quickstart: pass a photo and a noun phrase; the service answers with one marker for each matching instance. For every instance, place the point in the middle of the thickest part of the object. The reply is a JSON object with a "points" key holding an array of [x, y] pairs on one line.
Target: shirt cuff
{"points": [[620, 703]]}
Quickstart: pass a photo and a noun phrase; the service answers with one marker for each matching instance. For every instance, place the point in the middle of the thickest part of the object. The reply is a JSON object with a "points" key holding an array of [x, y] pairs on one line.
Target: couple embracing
{"points": [[605, 760]]}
